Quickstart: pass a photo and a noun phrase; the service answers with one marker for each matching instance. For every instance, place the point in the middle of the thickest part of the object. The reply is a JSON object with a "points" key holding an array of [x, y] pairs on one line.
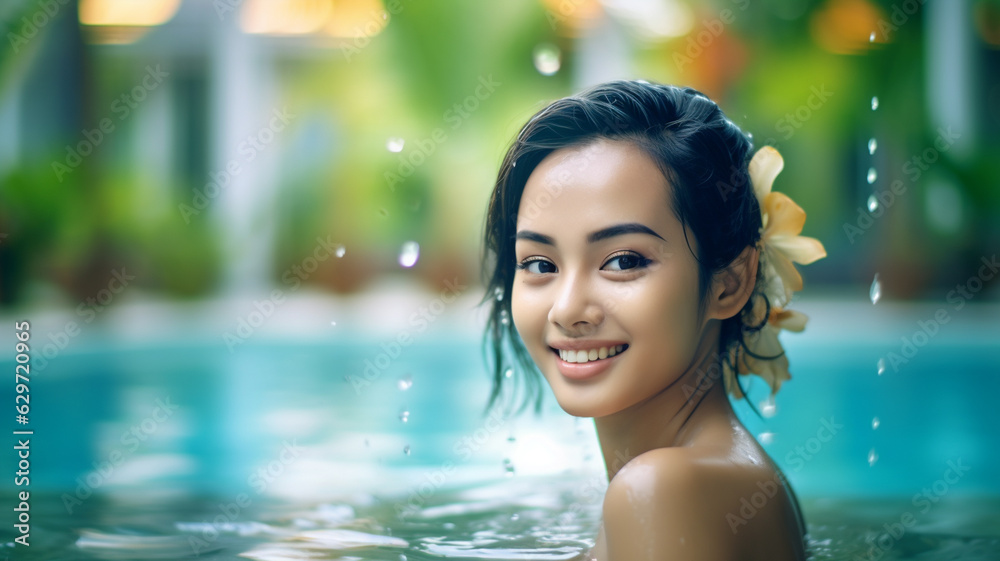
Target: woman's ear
{"points": [[732, 286]]}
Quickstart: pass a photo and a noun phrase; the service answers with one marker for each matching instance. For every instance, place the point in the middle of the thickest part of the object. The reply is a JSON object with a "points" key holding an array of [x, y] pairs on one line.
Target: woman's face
{"points": [[602, 262]]}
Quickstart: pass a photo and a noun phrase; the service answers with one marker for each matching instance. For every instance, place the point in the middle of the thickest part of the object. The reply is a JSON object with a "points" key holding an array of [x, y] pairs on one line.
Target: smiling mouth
{"points": [[593, 355]]}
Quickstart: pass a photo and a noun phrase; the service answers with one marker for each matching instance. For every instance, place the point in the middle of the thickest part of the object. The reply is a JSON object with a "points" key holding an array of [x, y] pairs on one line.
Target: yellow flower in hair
{"points": [[782, 222], [780, 245]]}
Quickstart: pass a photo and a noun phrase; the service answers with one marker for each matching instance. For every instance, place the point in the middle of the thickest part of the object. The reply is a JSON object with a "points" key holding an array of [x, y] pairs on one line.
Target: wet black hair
{"points": [[701, 153]]}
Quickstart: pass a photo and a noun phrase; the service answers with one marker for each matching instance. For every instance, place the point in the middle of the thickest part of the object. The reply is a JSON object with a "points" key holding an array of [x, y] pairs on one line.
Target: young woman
{"points": [[638, 260]]}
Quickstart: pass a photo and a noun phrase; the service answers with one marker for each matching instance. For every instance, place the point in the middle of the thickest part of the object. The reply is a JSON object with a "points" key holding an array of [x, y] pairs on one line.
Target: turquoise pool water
{"points": [[285, 450]]}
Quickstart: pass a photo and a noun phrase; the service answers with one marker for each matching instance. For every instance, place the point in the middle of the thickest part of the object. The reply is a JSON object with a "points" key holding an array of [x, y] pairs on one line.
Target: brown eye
{"points": [[626, 261], [544, 266]]}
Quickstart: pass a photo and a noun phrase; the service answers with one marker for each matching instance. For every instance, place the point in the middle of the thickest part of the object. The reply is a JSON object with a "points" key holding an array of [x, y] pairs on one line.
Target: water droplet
{"points": [[872, 145], [514, 164], [872, 203], [395, 144], [404, 415], [875, 423], [875, 293], [402, 557], [508, 467], [449, 525], [871, 38], [768, 407], [766, 437], [872, 457], [504, 317], [514, 517], [340, 251], [406, 449], [546, 58], [750, 136], [498, 294], [511, 438], [409, 254], [874, 102], [872, 175], [333, 323], [880, 367], [404, 383], [508, 373]]}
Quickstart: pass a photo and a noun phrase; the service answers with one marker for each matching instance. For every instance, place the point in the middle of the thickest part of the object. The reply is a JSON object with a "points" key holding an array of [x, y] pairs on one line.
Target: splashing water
{"points": [[872, 203], [875, 293], [404, 383], [768, 408], [547, 59], [409, 254], [395, 144]]}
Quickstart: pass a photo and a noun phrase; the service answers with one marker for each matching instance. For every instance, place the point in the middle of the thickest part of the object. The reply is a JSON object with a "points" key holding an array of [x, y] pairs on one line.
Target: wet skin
{"points": [[680, 464]]}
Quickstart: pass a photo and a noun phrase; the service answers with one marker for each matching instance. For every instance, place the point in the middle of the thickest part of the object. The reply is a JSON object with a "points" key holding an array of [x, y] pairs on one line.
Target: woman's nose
{"points": [[575, 309]]}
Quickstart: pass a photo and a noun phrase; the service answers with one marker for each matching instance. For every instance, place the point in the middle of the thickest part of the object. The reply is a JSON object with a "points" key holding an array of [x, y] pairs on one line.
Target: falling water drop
{"points": [[872, 203], [872, 175], [498, 294], [511, 438], [409, 254], [768, 407], [406, 449], [546, 58], [750, 136], [508, 373], [766, 437], [395, 144], [872, 145], [875, 423], [404, 416], [504, 317], [874, 102], [340, 251], [880, 367], [508, 467], [404, 383], [871, 38], [872, 457], [333, 323], [875, 293]]}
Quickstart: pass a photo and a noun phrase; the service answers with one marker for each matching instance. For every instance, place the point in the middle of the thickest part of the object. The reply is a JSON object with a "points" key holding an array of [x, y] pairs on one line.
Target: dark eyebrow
{"points": [[620, 230], [593, 237]]}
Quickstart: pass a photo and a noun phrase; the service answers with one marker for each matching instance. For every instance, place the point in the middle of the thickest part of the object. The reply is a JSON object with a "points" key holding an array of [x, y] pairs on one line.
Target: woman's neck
{"points": [[673, 417]]}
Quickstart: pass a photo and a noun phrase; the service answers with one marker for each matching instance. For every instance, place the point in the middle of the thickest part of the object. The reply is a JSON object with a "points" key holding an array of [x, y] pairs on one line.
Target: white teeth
{"points": [[590, 355]]}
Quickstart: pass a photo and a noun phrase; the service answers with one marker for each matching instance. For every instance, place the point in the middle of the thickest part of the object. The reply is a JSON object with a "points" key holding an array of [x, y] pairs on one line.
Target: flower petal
{"points": [[790, 277], [784, 216], [789, 320], [765, 165], [800, 249]]}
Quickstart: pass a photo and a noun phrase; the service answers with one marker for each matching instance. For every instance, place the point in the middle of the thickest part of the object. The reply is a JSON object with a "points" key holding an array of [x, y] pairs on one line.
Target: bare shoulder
{"points": [[685, 504]]}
